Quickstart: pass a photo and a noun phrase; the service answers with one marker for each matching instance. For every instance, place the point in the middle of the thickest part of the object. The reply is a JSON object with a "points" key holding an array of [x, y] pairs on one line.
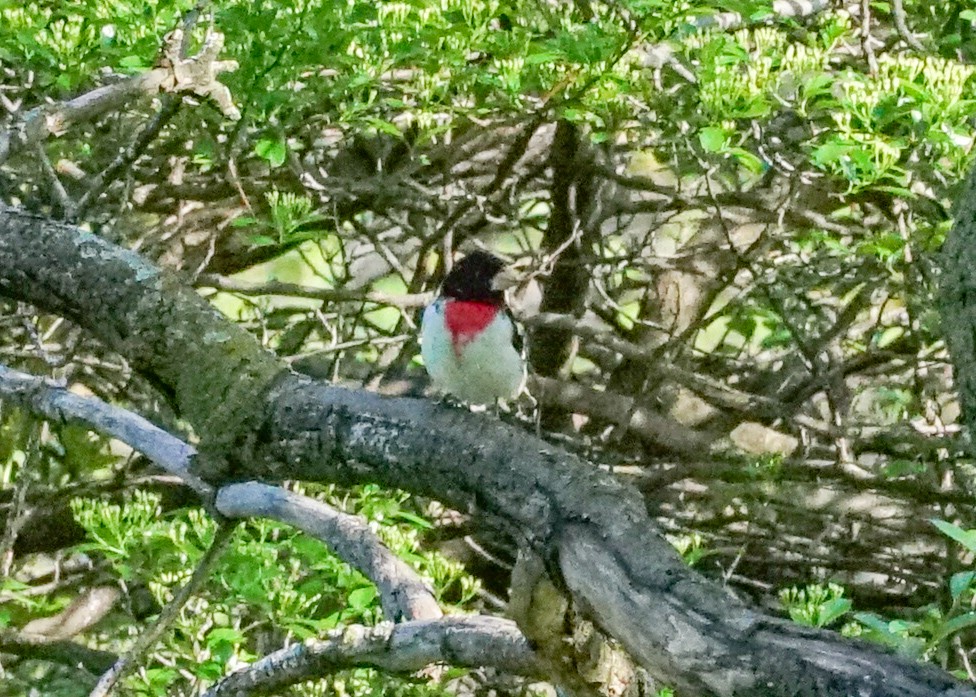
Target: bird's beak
{"points": [[504, 279]]}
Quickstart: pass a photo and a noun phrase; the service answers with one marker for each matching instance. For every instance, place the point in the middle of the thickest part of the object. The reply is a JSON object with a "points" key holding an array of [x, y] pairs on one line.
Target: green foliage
{"points": [[271, 586], [67, 44], [290, 221], [878, 146], [926, 634], [815, 605], [691, 547]]}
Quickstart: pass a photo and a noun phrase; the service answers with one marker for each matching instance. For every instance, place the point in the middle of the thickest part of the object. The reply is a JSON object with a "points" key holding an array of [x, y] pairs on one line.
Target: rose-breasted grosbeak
{"points": [[469, 343]]}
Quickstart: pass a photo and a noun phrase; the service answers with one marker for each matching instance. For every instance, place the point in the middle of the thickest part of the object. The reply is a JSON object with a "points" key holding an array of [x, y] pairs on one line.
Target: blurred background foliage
{"points": [[726, 215]]}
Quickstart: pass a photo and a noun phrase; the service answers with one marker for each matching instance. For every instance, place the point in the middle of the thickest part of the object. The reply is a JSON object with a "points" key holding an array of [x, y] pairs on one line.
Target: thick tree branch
{"points": [[592, 532], [394, 648], [958, 301], [159, 324]]}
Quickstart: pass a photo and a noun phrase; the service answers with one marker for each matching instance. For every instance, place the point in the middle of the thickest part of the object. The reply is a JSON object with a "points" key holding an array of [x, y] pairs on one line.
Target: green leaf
{"points": [[243, 221], [544, 57], [224, 635], [960, 583], [888, 336], [901, 467], [832, 610], [274, 151], [895, 191], [262, 240], [954, 625], [748, 160], [967, 538], [383, 126], [361, 598], [132, 64], [830, 152], [415, 520], [712, 138]]}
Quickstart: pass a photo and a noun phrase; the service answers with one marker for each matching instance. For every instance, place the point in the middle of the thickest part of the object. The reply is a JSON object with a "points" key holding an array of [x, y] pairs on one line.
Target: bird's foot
{"points": [[451, 401]]}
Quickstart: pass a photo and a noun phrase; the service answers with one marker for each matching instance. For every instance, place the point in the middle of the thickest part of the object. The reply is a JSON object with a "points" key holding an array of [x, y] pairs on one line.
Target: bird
{"points": [[469, 343]]}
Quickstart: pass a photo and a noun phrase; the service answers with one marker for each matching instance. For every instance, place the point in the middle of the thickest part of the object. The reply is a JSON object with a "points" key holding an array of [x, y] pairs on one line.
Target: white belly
{"points": [[485, 369]]}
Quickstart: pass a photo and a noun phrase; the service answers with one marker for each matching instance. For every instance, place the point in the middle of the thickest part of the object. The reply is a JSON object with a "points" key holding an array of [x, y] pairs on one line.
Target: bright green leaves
{"points": [[716, 140], [926, 634], [713, 139], [815, 605], [967, 538], [274, 150], [871, 131], [734, 82], [692, 547], [68, 44], [863, 162], [271, 584], [912, 107], [290, 220], [583, 45]]}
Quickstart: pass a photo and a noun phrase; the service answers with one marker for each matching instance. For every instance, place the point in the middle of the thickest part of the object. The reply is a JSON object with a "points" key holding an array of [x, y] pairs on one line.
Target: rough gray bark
{"points": [[591, 532], [395, 648], [957, 298]]}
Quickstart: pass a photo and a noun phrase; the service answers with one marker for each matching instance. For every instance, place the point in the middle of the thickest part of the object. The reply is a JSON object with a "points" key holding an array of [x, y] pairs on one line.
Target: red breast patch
{"points": [[466, 319]]}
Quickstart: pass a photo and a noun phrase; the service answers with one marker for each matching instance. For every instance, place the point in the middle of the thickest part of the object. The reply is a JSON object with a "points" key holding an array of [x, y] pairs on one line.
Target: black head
{"points": [[472, 279]]}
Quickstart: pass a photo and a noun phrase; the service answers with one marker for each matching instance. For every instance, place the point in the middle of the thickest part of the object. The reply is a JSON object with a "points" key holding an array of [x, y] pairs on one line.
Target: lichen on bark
{"points": [[211, 368]]}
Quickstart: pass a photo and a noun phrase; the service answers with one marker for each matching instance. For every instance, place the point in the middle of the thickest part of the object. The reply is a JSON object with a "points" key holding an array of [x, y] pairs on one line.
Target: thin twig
{"points": [[64, 200], [898, 14], [866, 36], [129, 155], [16, 516], [234, 285]]}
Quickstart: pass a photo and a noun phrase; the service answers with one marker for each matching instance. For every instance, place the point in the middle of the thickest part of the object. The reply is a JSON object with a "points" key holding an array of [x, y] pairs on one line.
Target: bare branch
{"points": [[69, 653], [898, 13], [644, 423], [234, 285], [126, 157], [404, 594], [394, 648], [85, 611], [56, 403]]}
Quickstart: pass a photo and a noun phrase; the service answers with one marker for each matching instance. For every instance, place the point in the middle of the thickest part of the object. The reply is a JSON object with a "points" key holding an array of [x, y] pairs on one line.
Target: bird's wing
{"points": [[518, 339]]}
